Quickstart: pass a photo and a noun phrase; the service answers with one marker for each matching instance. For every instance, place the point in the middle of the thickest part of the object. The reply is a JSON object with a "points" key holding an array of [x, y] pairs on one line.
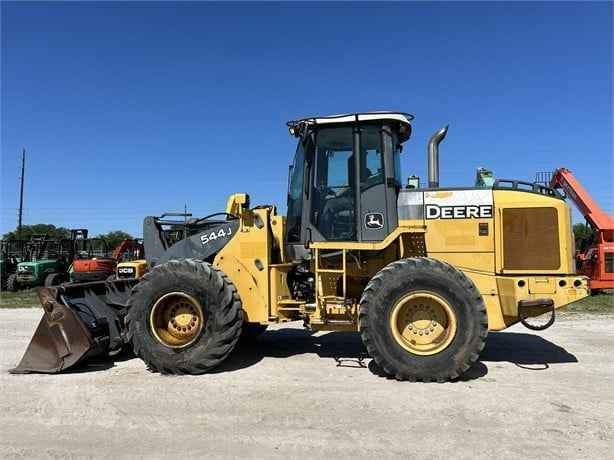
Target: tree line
{"points": [[112, 238], [582, 234]]}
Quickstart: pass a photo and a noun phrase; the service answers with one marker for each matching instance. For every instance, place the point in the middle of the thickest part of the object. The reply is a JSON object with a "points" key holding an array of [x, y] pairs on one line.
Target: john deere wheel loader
{"points": [[421, 273]]}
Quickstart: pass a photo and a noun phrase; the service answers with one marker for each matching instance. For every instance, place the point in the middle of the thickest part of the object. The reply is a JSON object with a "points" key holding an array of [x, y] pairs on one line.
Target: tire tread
{"points": [[368, 301], [227, 317]]}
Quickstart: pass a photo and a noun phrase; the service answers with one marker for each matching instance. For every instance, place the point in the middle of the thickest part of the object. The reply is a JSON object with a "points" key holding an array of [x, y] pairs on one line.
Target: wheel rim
{"points": [[423, 323], [176, 319]]}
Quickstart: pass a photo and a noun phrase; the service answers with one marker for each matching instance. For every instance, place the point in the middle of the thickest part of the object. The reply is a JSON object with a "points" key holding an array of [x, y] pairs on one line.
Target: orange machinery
{"points": [[595, 258], [100, 268]]}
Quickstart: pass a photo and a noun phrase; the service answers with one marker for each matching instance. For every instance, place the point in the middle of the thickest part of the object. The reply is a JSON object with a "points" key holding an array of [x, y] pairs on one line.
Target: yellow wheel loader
{"points": [[421, 273]]}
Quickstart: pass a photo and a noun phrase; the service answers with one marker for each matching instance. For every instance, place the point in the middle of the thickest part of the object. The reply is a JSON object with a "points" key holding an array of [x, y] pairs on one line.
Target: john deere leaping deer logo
{"points": [[374, 220]]}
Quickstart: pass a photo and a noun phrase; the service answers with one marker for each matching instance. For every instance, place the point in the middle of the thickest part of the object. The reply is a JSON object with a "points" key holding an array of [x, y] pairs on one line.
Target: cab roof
{"points": [[297, 127]]}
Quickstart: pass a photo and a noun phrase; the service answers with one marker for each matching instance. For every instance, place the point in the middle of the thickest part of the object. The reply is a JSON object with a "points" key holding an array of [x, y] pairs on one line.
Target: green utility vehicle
{"points": [[12, 252], [49, 261]]}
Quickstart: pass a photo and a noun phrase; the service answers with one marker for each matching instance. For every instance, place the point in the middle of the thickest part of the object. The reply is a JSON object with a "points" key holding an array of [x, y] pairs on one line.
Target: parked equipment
{"points": [[484, 178], [131, 269], [48, 261], [422, 274], [98, 264], [12, 252], [595, 256]]}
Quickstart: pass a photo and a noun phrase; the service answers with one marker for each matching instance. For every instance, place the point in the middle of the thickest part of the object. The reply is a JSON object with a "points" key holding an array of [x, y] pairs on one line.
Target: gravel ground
{"points": [[295, 394]]}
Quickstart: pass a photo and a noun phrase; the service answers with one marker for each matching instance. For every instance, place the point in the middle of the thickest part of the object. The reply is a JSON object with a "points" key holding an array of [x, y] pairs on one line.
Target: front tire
{"points": [[185, 317], [12, 285], [422, 319], [53, 279]]}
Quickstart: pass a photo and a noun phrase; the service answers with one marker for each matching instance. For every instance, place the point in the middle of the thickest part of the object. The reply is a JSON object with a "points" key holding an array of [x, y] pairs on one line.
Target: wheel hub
{"points": [[176, 319], [423, 323]]}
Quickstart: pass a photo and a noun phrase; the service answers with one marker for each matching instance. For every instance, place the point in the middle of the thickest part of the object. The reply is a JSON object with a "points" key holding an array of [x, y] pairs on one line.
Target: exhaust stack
{"points": [[433, 156]]}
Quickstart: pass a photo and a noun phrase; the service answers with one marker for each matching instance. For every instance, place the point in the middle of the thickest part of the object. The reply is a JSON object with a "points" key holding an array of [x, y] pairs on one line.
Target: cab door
{"points": [[378, 183], [350, 185], [332, 204]]}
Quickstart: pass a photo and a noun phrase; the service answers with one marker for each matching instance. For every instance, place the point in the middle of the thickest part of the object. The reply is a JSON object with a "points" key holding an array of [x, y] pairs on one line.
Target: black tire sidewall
{"points": [[53, 279], [12, 284], [208, 291], [406, 280]]}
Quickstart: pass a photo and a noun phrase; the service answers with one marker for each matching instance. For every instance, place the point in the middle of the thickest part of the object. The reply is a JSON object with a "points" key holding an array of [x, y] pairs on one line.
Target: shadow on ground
{"points": [[101, 363], [524, 350], [345, 349]]}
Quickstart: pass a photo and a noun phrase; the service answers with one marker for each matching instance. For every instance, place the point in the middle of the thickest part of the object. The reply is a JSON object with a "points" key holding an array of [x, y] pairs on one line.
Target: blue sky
{"points": [[136, 108]]}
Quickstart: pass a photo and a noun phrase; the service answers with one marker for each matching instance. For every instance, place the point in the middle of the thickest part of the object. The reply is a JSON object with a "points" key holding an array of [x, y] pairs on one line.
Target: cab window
{"points": [[333, 195], [295, 195], [372, 160]]}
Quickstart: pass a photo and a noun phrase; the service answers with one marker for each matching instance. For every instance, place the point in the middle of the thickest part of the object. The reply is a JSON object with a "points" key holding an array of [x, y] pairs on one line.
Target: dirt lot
{"points": [[546, 395]]}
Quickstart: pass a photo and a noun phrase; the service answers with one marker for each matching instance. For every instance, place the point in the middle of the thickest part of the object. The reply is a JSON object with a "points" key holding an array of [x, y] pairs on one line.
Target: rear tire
{"points": [[12, 284], [208, 294], [427, 297]]}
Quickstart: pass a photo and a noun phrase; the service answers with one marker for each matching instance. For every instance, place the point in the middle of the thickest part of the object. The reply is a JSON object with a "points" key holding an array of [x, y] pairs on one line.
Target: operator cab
{"points": [[345, 178]]}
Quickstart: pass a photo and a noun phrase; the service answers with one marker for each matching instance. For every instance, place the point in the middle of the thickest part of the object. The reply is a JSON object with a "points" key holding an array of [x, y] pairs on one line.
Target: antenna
{"points": [[20, 215], [185, 221]]}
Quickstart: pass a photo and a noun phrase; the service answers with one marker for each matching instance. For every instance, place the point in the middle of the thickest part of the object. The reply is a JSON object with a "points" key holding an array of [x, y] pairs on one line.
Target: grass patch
{"points": [[594, 304], [19, 299]]}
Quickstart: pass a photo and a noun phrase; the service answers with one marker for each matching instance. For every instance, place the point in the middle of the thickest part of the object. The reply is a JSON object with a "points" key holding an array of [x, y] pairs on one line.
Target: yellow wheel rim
{"points": [[423, 323], [176, 319]]}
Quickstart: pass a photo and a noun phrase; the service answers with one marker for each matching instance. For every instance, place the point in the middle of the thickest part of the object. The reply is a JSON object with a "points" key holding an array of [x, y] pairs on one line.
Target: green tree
{"points": [[583, 234], [115, 237], [27, 231]]}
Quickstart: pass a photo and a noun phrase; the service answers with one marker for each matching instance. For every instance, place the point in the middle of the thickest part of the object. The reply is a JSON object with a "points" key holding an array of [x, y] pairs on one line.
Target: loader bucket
{"points": [[61, 339], [80, 321]]}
